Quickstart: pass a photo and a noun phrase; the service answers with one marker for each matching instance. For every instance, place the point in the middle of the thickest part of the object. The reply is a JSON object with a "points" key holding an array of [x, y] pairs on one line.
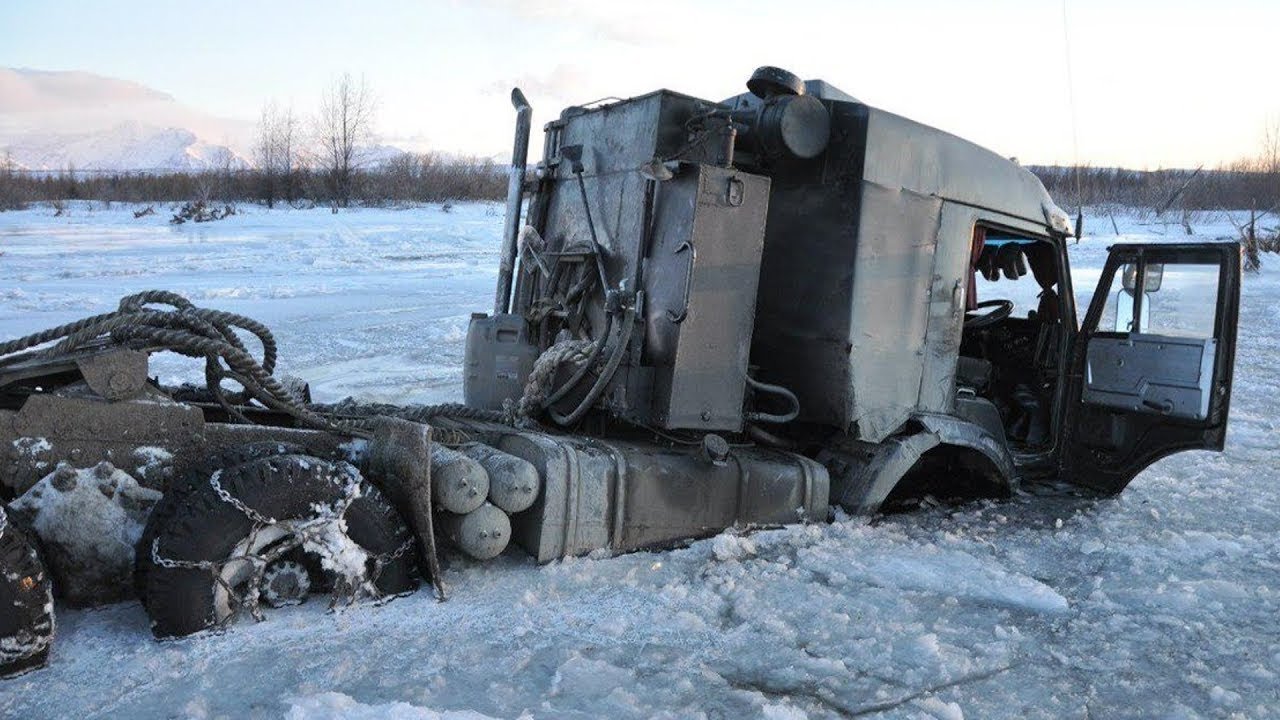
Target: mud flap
{"points": [[400, 462]]}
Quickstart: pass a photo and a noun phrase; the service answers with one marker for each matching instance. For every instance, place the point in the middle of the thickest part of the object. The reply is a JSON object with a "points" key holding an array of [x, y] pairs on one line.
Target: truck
{"points": [[708, 315]]}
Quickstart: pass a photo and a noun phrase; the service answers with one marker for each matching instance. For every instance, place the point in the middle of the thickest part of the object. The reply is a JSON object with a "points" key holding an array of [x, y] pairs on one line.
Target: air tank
{"points": [[459, 484]]}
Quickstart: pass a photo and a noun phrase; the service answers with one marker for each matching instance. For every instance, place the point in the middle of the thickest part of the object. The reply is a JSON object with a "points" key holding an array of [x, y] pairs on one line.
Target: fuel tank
{"points": [[626, 495]]}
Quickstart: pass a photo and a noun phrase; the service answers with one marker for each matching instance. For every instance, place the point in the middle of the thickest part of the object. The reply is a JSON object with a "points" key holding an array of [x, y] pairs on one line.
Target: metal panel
{"points": [[630, 496], [801, 338], [904, 153], [700, 280], [946, 308], [1156, 374], [616, 140], [889, 301]]}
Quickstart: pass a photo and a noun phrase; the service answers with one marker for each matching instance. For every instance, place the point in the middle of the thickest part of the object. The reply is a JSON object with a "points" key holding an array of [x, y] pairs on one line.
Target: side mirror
{"points": [[1124, 310], [1154, 276]]}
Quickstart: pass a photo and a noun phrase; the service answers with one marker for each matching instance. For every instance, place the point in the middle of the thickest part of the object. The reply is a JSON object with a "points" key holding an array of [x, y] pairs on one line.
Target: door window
{"points": [[1178, 299], [1184, 303]]}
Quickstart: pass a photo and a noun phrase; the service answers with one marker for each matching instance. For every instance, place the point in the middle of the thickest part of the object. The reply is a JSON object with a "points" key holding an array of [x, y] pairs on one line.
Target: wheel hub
{"points": [[285, 582]]}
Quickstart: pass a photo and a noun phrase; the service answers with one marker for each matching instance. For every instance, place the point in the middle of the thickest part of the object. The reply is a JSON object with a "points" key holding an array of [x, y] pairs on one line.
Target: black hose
{"points": [[764, 437], [768, 389], [595, 241], [606, 375], [572, 382]]}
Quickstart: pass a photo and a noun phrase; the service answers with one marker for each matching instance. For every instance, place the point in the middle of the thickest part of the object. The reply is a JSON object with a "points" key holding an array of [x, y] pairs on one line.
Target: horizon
{"points": [[1155, 85]]}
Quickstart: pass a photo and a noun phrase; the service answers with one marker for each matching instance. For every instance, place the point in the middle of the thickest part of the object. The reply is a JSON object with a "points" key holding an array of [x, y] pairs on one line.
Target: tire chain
{"points": [[298, 533]]}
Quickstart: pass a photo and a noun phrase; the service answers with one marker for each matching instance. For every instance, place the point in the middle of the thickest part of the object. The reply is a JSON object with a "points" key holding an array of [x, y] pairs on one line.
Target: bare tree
{"points": [[344, 126], [9, 191], [1269, 160], [275, 152]]}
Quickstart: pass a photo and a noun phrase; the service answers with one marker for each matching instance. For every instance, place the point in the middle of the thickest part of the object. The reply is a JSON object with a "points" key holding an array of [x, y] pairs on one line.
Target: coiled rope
{"points": [[166, 321]]}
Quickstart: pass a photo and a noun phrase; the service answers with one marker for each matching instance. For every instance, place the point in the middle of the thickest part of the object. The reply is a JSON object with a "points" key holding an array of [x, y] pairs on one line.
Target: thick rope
{"points": [[538, 386], [142, 322], [211, 335]]}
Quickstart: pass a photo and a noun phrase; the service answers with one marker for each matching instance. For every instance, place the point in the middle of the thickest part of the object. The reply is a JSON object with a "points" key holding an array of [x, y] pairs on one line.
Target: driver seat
{"points": [[973, 373]]}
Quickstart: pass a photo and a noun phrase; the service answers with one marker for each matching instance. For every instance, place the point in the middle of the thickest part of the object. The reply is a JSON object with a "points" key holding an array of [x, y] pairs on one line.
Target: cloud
{"points": [[562, 82], [639, 24]]}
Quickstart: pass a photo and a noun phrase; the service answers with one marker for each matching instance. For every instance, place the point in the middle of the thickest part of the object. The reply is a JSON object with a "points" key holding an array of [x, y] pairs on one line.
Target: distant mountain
{"points": [[51, 120]]}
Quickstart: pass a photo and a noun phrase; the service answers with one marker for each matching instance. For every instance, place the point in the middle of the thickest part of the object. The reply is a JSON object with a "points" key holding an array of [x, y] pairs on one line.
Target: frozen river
{"points": [[1163, 602]]}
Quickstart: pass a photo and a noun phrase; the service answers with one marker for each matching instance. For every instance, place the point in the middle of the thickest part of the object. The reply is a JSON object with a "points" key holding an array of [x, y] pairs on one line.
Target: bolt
{"points": [[64, 478], [715, 448]]}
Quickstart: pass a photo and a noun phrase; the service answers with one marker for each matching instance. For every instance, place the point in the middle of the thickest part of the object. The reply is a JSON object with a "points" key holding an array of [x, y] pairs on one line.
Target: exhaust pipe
{"points": [[515, 191]]}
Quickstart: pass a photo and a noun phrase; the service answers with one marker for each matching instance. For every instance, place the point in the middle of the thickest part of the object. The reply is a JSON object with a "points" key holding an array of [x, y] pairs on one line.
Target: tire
{"points": [[26, 604], [203, 526], [175, 495]]}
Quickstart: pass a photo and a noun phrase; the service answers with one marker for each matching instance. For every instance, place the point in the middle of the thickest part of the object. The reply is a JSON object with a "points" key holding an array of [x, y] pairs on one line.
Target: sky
{"points": [[1171, 83]]}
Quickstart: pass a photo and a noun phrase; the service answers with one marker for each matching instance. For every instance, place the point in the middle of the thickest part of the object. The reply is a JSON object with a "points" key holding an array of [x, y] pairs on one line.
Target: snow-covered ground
{"points": [[1163, 602]]}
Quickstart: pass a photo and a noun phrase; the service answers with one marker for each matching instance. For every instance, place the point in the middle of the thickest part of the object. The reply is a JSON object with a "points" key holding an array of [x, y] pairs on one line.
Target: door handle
{"points": [[1164, 407]]}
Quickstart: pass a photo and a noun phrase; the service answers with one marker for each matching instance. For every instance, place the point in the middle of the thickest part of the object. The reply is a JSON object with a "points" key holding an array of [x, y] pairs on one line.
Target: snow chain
{"points": [[306, 533]]}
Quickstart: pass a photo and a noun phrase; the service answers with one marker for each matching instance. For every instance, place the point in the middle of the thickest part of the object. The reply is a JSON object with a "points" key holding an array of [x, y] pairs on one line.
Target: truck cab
{"points": [[791, 267]]}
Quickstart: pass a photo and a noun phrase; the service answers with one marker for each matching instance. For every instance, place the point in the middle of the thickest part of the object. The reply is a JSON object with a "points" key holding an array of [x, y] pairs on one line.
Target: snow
{"points": [[1160, 602], [336, 706]]}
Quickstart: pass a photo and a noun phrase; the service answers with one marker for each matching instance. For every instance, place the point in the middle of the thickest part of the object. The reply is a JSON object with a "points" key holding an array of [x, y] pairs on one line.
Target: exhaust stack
{"points": [[515, 192]]}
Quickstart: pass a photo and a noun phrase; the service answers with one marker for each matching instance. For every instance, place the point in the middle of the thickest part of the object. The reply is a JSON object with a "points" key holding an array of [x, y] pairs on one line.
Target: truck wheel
{"points": [[195, 476], [248, 522], [26, 603]]}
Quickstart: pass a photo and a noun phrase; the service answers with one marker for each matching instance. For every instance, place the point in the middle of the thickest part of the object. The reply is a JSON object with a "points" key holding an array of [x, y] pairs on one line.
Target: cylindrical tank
{"points": [[482, 533], [513, 482], [459, 484]]}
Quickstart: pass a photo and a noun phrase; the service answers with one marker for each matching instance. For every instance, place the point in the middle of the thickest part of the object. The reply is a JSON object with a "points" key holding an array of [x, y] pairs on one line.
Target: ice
{"points": [[336, 706], [1162, 602]]}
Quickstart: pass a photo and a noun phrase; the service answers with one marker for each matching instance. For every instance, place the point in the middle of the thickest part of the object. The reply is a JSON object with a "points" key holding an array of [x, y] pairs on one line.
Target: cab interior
{"points": [[1011, 346]]}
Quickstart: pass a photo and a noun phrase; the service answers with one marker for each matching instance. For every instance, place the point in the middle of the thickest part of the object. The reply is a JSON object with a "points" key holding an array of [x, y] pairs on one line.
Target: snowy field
{"points": [[1164, 602]]}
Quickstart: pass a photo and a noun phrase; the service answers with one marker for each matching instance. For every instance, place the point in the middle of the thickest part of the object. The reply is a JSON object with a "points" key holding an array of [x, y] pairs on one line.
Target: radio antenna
{"points": [[1075, 137]]}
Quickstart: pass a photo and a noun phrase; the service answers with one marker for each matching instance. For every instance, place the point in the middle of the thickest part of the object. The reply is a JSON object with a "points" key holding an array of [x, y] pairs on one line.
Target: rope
{"points": [[212, 335], [543, 375], [166, 321]]}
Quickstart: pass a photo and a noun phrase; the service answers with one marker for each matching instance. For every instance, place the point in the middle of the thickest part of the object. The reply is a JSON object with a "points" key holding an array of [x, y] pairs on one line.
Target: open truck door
{"points": [[1151, 367]]}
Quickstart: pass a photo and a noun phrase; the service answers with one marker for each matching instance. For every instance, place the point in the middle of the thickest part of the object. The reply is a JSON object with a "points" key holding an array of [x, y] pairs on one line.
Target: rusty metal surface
{"points": [[116, 375], [400, 460]]}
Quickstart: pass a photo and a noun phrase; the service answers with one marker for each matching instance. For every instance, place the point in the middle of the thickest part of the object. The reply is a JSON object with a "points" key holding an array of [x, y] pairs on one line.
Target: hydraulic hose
{"points": [[780, 391], [611, 367], [572, 382]]}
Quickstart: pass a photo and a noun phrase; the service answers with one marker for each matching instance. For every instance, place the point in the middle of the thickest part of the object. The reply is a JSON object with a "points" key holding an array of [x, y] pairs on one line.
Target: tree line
{"points": [[324, 159], [410, 178]]}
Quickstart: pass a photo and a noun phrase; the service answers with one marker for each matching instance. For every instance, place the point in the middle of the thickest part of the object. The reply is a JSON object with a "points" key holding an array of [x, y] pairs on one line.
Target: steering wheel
{"points": [[1000, 309]]}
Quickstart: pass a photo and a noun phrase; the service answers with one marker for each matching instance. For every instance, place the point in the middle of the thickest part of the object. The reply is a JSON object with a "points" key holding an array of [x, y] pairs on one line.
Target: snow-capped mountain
{"points": [[52, 120]]}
